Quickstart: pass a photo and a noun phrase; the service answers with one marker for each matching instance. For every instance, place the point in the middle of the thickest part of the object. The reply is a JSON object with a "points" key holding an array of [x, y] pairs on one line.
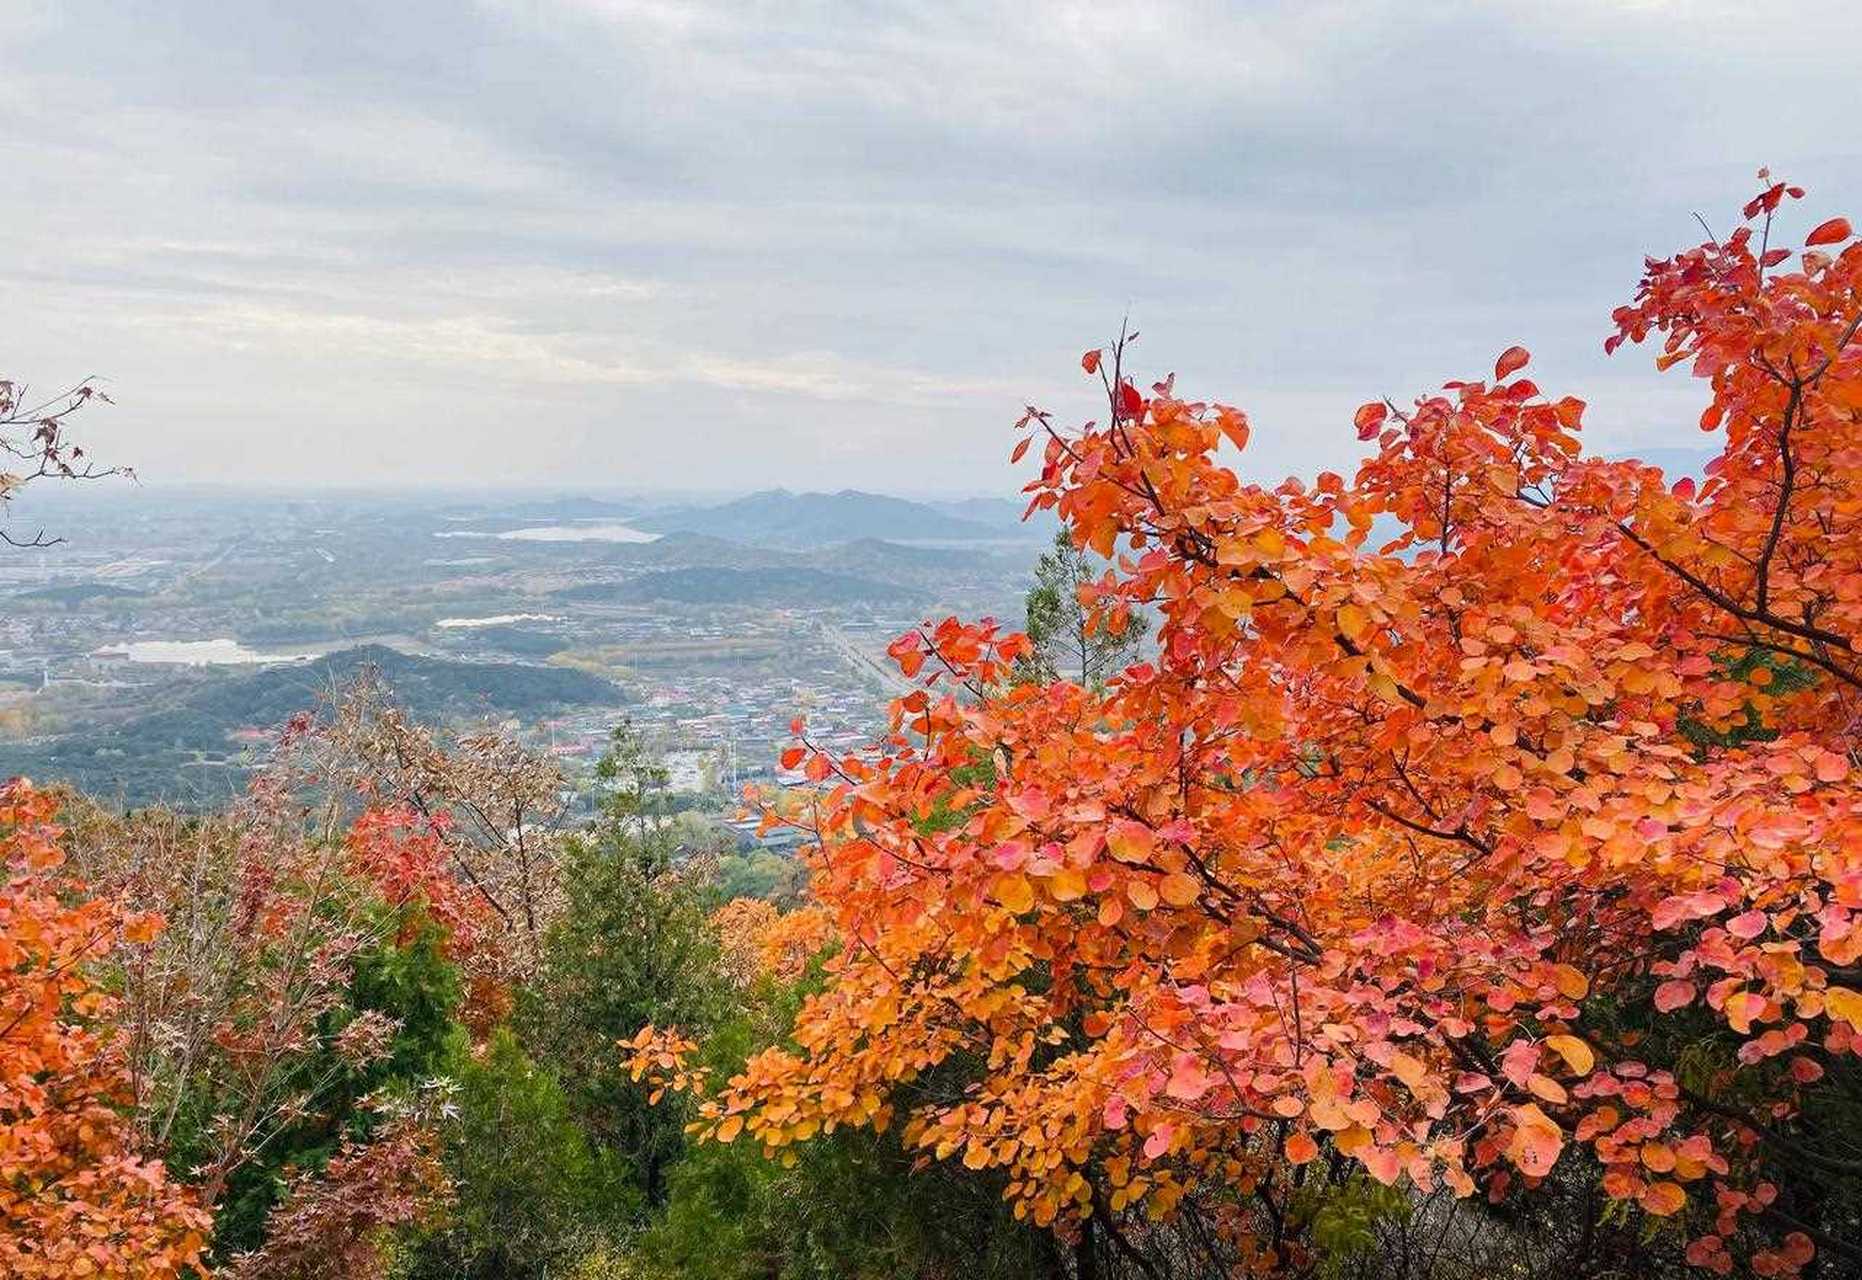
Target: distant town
{"points": [[153, 655]]}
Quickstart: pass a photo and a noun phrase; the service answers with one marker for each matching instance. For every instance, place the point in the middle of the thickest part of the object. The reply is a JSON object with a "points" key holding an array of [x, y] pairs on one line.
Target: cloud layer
{"points": [[627, 243]]}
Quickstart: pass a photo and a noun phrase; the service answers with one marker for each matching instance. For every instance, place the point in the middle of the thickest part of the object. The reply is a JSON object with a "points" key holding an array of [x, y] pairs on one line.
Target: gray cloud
{"points": [[626, 242]]}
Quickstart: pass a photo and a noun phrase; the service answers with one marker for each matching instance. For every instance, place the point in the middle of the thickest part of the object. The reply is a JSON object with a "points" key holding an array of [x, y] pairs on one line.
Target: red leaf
{"points": [[1369, 419], [1130, 403], [1090, 361], [1021, 448], [1511, 359], [791, 757], [1834, 231]]}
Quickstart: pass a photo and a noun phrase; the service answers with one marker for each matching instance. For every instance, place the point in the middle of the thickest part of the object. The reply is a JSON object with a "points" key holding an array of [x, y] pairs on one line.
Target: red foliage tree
{"points": [[1423, 854]]}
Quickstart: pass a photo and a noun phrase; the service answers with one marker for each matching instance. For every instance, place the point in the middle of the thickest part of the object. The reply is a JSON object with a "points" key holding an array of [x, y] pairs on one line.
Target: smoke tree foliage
{"points": [[78, 1195], [1398, 865]]}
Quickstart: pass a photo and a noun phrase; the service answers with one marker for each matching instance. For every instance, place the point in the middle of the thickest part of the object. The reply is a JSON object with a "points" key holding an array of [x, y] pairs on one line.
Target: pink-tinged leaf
{"points": [[1806, 1070], [1188, 1081], [1381, 1163], [1748, 925], [1673, 995], [1159, 1141], [1519, 1061]]}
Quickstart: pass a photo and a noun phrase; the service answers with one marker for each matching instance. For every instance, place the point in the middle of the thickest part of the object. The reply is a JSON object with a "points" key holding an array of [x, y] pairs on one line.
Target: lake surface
{"points": [[195, 653], [498, 620], [608, 532]]}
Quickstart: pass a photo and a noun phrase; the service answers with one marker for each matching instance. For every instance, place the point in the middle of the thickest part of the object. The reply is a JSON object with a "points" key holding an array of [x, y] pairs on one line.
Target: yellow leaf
{"points": [[1572, 984], [1015, 893], [1068, 884], [728, 1131], [1575, 1052], [1386, 688], [1547, 1088], [1845, 1004]]}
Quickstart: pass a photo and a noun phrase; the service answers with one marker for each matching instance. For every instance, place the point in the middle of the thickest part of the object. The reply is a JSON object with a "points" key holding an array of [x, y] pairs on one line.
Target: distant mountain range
{"points": [[779, 517]]}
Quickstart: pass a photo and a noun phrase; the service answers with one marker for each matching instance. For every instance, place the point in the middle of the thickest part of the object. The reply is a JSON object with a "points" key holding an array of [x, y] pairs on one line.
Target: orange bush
{"points": [[76, 1198]]}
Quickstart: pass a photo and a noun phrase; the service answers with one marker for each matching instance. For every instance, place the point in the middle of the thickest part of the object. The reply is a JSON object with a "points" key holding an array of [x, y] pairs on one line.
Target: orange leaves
{"points": [[1353, 622], [1741, 1008], [79, 1198], [1234, 425], [1410, 1070], [1536, 1141], [908, 652], [1835, 231], [143, 927], [1571, 984], [1141, 892]]}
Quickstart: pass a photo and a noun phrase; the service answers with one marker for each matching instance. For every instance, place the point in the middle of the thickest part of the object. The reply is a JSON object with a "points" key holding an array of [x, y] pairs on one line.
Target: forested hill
{"points": [[185, 751]]}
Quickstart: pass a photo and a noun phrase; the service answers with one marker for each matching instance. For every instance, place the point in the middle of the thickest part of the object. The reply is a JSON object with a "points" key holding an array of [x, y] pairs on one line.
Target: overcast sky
{"points": [[623, 243]]}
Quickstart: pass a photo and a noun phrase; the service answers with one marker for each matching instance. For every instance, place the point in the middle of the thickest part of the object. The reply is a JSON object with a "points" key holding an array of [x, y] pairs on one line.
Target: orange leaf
{"points": [[1834, 231], [1663, 1199], [1369, 418], [1511, 361], [1178, 889]]}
